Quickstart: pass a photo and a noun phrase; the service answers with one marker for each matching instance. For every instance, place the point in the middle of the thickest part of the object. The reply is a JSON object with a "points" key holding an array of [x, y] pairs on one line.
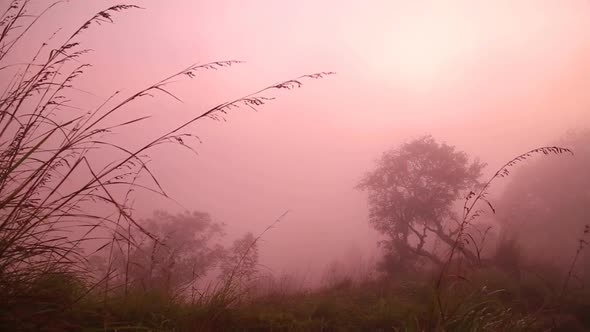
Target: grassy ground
{"points": [[486, 301]]}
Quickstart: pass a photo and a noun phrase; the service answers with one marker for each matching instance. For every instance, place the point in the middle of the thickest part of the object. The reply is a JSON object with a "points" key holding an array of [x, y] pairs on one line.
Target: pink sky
{"points": [[494, 78]]}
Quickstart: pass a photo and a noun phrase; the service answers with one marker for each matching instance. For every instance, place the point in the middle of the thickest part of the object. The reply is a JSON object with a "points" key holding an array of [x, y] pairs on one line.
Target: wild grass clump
{"points": [[507, 254], [64, 180]]}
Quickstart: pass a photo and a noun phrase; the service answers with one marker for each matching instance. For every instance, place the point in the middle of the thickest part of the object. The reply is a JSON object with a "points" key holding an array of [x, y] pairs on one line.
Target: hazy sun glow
{"points": [[418, 47]]}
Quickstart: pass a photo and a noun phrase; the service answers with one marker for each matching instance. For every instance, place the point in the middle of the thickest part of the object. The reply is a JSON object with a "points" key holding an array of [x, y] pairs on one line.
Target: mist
{"points": [[492, 78]]}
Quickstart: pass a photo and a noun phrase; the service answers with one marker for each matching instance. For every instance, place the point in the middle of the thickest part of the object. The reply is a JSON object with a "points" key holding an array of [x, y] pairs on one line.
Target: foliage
{"points": [[412, 192], [242, 258], [182, 249], [378, 305], [489, 301]]}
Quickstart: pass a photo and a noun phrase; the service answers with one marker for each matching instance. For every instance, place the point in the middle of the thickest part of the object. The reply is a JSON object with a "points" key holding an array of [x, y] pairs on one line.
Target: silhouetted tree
{"points": [[183, 248], [412, 192], [241, 262]]}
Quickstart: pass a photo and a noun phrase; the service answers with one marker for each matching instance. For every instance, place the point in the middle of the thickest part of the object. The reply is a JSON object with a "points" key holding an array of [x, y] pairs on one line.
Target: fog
{"points": [[493, 78]]}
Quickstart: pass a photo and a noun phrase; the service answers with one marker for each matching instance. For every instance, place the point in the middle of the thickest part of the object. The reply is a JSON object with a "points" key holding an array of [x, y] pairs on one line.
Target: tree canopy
{"points": [[183, 248], [411, 194]]}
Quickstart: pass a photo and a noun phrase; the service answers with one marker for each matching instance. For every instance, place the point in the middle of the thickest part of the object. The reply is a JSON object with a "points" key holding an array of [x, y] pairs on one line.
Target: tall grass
{"points": [[471, 211], [50, 185]]}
